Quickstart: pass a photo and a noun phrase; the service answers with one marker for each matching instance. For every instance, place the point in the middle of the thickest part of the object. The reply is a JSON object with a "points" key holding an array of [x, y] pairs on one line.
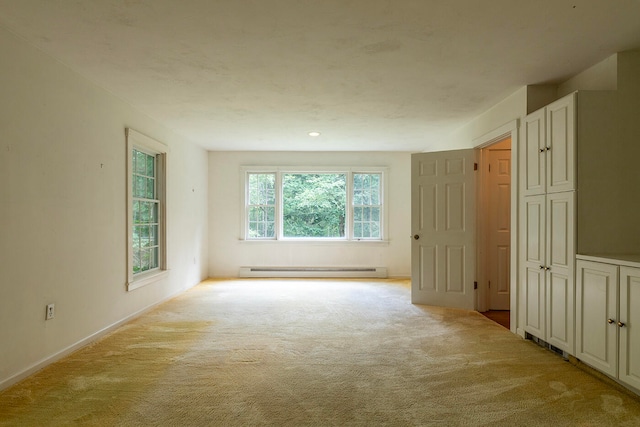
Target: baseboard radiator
{"points": [[341, 272]]}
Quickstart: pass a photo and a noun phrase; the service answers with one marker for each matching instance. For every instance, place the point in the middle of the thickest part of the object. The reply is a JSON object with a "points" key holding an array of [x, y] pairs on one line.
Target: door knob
{"points": [[620, 324], [610, 321], [416, 236]]}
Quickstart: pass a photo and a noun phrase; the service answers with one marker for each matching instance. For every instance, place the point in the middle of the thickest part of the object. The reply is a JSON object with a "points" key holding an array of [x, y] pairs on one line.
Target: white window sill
{"points": [[320, 242], [145, 279]]}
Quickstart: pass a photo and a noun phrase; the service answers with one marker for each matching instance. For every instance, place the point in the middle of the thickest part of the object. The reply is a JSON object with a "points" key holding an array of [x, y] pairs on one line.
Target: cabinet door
{"points": [[629, 370], [596, 310], [560, 261], [560, 150], [533, 256], [532, 154]]}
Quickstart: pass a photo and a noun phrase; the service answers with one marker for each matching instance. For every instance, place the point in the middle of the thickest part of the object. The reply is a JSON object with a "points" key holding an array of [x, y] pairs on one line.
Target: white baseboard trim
{"points": [[4, 384]]}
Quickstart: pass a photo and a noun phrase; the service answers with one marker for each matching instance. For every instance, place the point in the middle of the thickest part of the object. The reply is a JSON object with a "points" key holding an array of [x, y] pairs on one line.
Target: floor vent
{"points": [[546, 345], [378, 272]]}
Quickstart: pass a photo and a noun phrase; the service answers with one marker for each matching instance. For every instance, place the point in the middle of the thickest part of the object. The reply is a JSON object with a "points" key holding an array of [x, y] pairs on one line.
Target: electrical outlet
{"points": [[51, 311]]}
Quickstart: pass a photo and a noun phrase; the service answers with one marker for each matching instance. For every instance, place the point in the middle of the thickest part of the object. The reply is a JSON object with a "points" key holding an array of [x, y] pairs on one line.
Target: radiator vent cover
{"points": [[378, 272]]}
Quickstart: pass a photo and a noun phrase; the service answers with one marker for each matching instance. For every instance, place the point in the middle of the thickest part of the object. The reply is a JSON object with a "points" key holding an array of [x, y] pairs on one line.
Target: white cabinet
{"points": [[561, 187], [533, 160], [548, 225], [629, 316], [607, 327], [596, 315], [577, 177], [548, 251], [549, 148]]}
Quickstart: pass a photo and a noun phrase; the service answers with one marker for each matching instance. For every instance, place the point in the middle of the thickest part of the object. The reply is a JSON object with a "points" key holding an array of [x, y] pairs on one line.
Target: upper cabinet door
{"points": [[548, 157], [560, 149], [532, 156]]}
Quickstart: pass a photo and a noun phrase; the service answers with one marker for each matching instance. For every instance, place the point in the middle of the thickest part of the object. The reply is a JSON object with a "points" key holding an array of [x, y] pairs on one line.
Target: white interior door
{"points": [[443, 227], [499, 225]]}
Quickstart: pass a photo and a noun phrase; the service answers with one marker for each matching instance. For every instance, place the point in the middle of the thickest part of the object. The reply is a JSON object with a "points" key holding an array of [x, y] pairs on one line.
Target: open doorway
{"points": [[494, 231]]}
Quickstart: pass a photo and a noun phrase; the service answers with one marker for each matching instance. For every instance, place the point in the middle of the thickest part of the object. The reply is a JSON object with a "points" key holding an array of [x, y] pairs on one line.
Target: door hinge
{"points": [[489, 284], [475, 166], [489, 167], [475, 285]]}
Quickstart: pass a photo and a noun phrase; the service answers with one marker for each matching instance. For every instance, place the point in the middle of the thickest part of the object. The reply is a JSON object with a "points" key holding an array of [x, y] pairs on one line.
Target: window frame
{"points": [[140, 142], [279, 171]]}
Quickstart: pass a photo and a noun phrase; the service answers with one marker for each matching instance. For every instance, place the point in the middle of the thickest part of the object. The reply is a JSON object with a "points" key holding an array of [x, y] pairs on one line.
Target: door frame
{"points": [[508, 130], [483, 196]]}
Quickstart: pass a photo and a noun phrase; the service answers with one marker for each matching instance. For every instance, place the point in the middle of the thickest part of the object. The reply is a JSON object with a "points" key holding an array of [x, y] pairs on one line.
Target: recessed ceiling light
{"points": [[314, 133]]}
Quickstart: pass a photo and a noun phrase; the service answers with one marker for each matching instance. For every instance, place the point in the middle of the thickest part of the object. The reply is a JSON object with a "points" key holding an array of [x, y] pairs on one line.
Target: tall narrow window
{"points": [[261, 206], [145, 212], [367, 205], [146, 219]]}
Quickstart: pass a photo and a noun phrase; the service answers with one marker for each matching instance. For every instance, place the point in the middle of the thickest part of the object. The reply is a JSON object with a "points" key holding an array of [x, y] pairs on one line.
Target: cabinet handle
{"points": [[620, 324], [610, 321], [416, 236], [542, 150], [542, 267], [548, 149]]}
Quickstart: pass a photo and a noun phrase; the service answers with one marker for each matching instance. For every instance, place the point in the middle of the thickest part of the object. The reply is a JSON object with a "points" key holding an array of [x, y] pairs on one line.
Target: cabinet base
{"points": [[613, 382]]}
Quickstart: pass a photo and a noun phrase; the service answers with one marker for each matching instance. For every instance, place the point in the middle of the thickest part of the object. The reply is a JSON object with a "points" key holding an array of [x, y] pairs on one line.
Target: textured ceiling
{"points": [[368, 74]]}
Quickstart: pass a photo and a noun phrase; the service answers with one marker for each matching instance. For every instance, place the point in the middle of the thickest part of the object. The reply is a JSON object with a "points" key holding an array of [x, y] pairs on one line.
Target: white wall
{"points": [[511, 108], [227, 252], [62, 209], [601, 76]]}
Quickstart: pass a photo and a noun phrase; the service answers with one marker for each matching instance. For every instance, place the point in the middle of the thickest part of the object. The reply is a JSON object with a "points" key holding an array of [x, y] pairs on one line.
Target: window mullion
{"points": [[279, 207], [348, 232]]}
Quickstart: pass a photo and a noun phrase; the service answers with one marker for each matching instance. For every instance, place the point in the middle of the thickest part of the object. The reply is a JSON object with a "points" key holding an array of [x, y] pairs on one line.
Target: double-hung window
{"points": [[261, 205], [282, 204], [146, 218], [367, 205]]}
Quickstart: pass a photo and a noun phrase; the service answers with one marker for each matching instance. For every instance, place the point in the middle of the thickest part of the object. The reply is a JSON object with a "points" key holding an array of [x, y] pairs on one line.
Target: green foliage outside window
{"points": [[366, 205], [314, 205], [262, 205], [145, 213]]}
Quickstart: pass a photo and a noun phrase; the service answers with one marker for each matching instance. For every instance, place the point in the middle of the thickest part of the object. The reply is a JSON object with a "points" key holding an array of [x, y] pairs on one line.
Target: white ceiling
{"points": [[368, 74]]}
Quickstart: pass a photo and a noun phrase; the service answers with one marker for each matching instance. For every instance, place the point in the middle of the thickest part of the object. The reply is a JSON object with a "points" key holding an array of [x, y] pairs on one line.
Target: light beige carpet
{"points": [[325, 353]]}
